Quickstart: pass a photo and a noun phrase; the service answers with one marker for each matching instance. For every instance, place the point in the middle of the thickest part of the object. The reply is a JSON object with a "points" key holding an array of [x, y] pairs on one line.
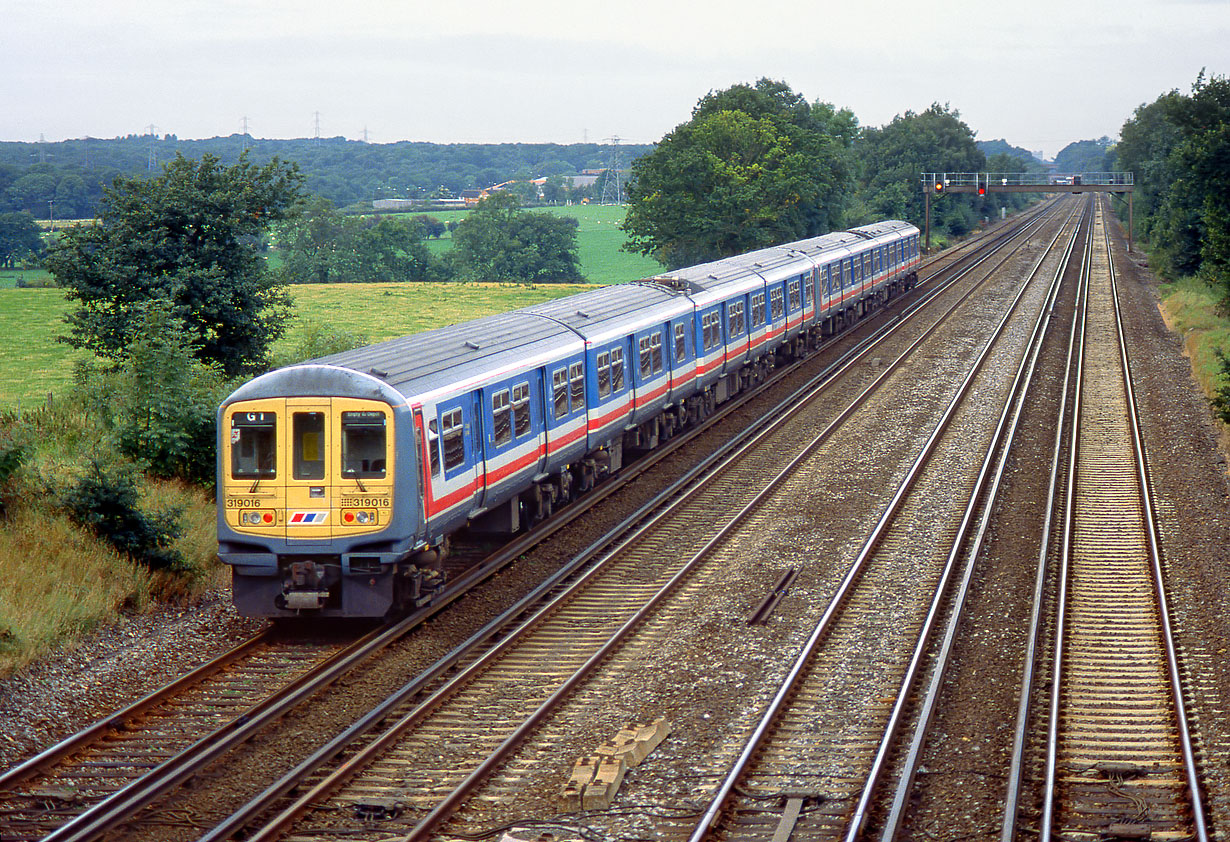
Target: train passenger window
{"points": [[617, 369], [364, 446], [254, 445], [807, 287], [681, 343], [646, 362], [655, 351], [501, 418], [453, 439], [521, 409], [309, 448], [757, 309], [777, 303], [793, 290], [576, 373], [711, 329], [559, 384], [433, 446], [736, 318], [603, 361]]}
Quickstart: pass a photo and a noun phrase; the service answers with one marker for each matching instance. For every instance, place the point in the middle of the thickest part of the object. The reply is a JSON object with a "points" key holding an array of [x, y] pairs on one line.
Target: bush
{"points": [[12, 456], [159, 402], [320, 340], [106, 501]]}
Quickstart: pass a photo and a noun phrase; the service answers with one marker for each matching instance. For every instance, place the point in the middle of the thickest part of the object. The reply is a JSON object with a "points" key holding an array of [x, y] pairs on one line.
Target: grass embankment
{"points": [[59, 580], [1192, 309]]}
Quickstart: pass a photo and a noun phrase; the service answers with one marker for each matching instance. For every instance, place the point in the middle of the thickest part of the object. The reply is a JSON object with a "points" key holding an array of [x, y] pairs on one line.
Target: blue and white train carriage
{"points": [[340, 480]]}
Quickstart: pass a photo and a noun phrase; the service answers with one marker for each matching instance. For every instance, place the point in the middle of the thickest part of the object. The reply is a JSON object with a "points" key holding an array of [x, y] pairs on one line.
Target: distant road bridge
{"points": [[939, 183]]}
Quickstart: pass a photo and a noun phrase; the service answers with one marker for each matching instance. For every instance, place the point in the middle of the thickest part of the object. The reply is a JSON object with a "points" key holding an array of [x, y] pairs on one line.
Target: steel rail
{"points": [[1001, 443], [174, 770], [792, 678], [1155, 563], [452, 802], [1033, 645], [118, 720], [771, 420], [1069, 515]]}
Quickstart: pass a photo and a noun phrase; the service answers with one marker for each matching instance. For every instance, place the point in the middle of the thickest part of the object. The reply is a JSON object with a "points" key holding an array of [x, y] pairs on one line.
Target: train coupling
{"points": [[305, 588]]}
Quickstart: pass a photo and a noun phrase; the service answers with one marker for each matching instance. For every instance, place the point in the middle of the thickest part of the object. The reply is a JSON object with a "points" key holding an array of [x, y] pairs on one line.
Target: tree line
{"points": [[66, 179], [758, 165]]}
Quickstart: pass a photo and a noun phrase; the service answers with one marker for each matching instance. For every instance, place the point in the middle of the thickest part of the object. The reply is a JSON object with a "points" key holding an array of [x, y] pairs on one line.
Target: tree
{"points": [[318, 246], [892, 160], [1179, 149], [755, 166], [555, 190], [159, 402], [322, 245], [19, 237], [1083, 156], [498, 241], [190, 236]]}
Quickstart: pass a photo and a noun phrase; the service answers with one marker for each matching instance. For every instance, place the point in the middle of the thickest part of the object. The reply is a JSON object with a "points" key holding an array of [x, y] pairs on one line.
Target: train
{"points": [[341, 480]]}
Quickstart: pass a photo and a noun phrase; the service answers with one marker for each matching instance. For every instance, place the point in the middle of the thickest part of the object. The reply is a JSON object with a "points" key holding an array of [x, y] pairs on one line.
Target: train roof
{"points": [[446, 358], [603, 314], [885, 228]]}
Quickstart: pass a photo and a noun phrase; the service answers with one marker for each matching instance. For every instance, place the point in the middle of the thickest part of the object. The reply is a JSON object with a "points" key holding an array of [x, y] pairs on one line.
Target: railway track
{"points": [[835, 744], [1118, 760], [457, 741], [158, 732], [134, 761]]}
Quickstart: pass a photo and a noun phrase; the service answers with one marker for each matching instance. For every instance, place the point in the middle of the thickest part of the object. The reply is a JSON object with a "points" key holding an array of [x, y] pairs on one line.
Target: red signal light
{"points": [[939, 187], [982, 190]]}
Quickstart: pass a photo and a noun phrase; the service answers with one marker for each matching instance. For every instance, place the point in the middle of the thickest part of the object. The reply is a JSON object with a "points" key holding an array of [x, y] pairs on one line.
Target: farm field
{"points": [[34, 364], [598, 243]]}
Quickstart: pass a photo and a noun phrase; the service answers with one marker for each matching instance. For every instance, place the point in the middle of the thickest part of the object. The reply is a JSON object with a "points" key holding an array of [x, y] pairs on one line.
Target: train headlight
{"points": [[359, 517], [256, 518]]}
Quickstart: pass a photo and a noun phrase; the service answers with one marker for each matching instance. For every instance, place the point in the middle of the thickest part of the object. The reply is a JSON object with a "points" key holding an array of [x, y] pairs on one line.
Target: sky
{"points": [[1040, 74]]}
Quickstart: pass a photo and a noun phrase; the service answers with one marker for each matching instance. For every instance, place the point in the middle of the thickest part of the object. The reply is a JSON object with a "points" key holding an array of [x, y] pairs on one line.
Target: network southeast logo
{"points": [[304, 518]]}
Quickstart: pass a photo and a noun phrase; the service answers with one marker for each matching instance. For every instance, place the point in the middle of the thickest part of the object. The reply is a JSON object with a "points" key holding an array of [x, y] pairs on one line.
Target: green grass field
{"points": [[598, 243], [34, 364], [386, 311]]}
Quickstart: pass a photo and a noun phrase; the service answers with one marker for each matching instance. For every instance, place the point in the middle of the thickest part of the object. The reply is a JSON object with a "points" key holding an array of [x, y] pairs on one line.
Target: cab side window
{"points": [[254, 445], [364, 446]]}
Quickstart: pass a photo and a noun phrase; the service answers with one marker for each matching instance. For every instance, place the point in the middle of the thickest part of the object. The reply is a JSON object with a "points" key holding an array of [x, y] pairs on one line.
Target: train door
{"points": [[453, 455], [312, 450], [479, 448]]}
